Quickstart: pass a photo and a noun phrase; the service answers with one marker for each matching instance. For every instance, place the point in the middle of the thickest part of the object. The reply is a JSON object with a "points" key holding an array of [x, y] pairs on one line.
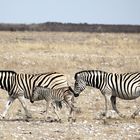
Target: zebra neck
{"points": [[96, 81], [93, 85]]}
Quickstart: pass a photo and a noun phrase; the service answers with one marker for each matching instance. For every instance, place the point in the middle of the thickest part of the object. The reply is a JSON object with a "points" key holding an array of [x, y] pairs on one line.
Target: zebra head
{"points": [[37, 94], [34, 95], [79, 85]]}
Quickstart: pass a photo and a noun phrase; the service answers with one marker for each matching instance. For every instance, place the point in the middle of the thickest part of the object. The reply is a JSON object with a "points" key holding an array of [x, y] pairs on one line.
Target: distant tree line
{"points": [[70, 27]]}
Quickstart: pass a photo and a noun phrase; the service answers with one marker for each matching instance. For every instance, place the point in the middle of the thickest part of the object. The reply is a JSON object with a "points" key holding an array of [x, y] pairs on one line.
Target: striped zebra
{"points": [[6, 83], [65, 94], [23, 85], [125, 86]]}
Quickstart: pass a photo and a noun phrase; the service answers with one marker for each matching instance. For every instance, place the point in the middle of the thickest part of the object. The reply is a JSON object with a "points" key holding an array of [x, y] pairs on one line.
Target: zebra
{"points": [[65, 94], [6, 83], [125, 86], [23, 85]]}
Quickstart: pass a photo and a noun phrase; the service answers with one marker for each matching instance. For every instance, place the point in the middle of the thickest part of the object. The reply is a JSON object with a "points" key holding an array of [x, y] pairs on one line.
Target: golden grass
{"points": [[30, 51]]}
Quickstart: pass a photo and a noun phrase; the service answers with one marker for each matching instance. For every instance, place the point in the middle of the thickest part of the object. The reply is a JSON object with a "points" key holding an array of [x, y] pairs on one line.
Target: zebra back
{"points": [[25, 83], [125, 86], [60, 94]]}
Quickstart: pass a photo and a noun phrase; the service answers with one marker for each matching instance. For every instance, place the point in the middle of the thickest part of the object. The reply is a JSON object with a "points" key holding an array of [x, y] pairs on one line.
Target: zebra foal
{"points": [[65, 94], [125, 86]]}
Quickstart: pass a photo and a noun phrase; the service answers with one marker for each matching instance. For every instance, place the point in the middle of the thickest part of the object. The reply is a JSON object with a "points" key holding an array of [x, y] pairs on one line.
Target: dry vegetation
{"points": [[71, 27], [37, 52]]}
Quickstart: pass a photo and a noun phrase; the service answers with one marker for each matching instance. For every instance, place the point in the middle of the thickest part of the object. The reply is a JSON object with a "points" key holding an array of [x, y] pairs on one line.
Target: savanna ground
{"points": [[68, 53]]}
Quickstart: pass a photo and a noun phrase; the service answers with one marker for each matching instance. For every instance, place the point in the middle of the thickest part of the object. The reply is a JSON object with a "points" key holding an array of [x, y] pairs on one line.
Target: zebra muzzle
{"points": [[76, 95], [31, 101]]}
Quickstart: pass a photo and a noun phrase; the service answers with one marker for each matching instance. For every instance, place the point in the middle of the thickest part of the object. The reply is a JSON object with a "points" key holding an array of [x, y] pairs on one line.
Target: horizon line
{"points": [[21, 23]]}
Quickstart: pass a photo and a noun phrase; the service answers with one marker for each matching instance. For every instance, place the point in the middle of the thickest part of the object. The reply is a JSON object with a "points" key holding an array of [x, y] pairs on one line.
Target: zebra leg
{"points": [[48, 101], [23, 103], [72, 110], [113, 102], [72, 113], [47, 106], [107, 97], [7, 106], [138, 110], [103, 114], [135, 113], [55, 111]]}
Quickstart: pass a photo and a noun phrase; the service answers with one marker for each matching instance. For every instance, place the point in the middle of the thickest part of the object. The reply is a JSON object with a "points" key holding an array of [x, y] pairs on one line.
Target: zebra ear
{"points": [[76, 76], [35, 88]]}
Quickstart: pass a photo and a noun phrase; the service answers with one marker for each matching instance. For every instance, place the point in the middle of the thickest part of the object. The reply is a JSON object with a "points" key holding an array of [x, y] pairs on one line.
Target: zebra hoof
{"points": [[105, 121], [76, 95], [29, 116], [2, 117], [108, 117], [69, 119], [103, 114], [133, 116], [73, 120], [42, 112], [78, 110], [59, 121], [122, 116], [27, 120]]}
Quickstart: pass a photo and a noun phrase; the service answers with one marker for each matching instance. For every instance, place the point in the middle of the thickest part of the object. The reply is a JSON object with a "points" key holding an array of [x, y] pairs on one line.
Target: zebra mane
{"points": [[80, 72], [37, 74], [10, 71], [86, 71]]}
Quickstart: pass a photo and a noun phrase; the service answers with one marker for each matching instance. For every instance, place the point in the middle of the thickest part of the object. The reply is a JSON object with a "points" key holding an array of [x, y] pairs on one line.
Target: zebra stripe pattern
{"points": [[23, 85], [27, 82], [125, 86], [6, 83], [51, 95]]}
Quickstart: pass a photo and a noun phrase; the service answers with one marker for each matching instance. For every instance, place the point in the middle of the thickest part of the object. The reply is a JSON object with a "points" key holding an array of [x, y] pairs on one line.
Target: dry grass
{"points": [[110, 52], [37, 52]]}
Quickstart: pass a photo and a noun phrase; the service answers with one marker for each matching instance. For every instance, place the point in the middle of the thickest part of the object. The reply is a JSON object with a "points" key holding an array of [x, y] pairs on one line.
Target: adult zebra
{"points": [[24, 84], [125, 86], [6, 83]]}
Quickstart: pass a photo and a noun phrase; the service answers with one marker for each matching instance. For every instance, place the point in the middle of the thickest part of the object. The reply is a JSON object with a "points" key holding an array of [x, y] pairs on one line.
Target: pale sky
{"points": [[70, 11]]}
